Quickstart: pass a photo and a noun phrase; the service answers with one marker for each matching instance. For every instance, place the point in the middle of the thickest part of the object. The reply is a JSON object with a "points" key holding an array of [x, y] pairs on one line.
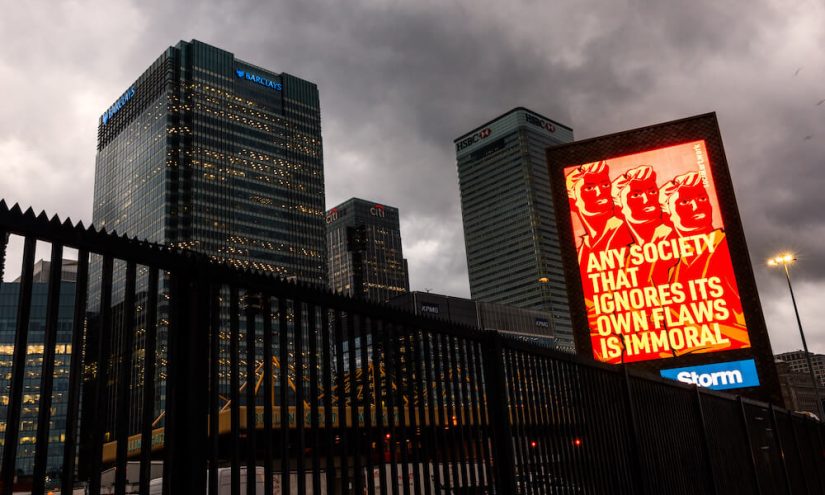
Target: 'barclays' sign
{"points": [[242, 74], [108, 114]]}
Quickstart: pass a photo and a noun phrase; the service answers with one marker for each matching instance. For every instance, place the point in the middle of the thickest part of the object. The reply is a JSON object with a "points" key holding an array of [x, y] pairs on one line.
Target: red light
{"points": [[534, 444], [577, 442], [387, 436]]}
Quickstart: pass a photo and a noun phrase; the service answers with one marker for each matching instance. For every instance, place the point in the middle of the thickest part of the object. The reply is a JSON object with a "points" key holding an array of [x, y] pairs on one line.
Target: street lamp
{"points": [[544, 284], [784, 260]]}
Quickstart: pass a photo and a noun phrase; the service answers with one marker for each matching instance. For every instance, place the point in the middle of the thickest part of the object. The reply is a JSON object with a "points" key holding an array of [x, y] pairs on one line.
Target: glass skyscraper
{"points": [[208, 152], [9, 296], [510, 235], [365, 255]]}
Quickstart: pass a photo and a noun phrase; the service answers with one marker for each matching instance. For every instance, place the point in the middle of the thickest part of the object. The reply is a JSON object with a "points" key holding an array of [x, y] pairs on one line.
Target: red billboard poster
{"points": [[656, 271]]}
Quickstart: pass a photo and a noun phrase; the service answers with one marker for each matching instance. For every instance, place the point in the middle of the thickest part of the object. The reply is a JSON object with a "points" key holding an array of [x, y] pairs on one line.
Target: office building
{"points": [[207, 152], [510, 235], [211, 153], [798, 364], [9, 294], [798, 391], [526, 324], [364, 250], [42, 268]]}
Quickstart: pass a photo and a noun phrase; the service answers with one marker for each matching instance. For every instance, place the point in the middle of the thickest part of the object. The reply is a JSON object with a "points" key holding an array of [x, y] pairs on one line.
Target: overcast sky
{"points": [[400, 80]]}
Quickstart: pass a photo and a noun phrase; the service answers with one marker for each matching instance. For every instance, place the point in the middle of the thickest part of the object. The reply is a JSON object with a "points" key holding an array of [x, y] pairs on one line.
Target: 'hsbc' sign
{"points": [[478, 136], [547, 126]]}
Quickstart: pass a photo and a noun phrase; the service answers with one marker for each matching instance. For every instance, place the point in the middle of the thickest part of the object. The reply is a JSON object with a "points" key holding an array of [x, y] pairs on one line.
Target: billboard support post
{"points": [[705, 439], [751, 456], [641, 485]]}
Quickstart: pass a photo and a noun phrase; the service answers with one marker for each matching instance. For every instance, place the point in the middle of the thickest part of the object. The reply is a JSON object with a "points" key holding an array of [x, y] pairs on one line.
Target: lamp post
{"points": [[783, 261], [544, 283]]}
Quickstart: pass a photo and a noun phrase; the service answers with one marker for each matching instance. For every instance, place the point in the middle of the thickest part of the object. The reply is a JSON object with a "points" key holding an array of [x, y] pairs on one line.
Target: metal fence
{"points": [[187, 376]]}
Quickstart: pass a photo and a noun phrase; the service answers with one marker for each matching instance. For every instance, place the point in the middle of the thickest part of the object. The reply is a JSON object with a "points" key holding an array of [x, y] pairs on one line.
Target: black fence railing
{"points": [[183, 375]]}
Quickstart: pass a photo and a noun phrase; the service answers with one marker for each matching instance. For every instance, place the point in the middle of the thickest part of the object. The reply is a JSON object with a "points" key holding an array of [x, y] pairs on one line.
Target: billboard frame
{"points": [[701, 127]]}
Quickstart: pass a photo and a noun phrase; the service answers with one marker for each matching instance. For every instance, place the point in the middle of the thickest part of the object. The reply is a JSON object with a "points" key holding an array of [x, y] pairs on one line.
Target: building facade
{"points": [[798, 364], [798, 391], [9, 294], [42, 269], [364, 250], [207, 152], [526, 324], [513, 253], [210, 153]]}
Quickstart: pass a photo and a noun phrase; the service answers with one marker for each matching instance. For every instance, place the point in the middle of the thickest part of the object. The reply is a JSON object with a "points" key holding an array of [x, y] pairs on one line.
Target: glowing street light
{"points": [[544, 284], [784, 260]]}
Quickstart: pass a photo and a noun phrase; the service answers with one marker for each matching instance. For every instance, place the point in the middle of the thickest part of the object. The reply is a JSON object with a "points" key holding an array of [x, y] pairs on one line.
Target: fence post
{"points": [[187, 405], [750, 444], [817, 452], [798, 448], [775, 426], [497, 403], [4, 242], [18, 368]]}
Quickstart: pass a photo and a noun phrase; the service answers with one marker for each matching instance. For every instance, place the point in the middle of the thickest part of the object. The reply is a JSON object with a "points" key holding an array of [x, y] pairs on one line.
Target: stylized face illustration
{"points": [[640, 201], [593, 194], [690, 209]]}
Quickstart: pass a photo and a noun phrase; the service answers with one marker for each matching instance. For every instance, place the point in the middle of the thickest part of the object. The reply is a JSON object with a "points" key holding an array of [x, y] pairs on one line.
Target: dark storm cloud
{"points": [[400, 80]]}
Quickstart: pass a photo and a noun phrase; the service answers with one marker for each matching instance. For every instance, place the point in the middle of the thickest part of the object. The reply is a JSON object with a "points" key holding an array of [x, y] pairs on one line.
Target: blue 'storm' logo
{"points": [[717, 376], [259, 80]]}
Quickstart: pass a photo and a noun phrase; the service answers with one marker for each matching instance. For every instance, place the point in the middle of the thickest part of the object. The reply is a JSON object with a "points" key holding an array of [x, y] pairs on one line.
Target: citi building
{"points": [[365, 255]]}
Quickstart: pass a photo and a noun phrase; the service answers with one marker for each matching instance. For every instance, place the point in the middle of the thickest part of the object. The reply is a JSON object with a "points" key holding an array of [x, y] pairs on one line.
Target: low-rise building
{"points": [[526, 324], [798, 392]]}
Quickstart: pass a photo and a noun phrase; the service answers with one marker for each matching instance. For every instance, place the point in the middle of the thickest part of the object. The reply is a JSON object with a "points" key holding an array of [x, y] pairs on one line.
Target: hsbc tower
{"points": [[510, 235]]}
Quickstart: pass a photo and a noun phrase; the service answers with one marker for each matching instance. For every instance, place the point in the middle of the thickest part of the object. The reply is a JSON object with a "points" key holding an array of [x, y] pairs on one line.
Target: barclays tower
{"points": [[212, 154]]}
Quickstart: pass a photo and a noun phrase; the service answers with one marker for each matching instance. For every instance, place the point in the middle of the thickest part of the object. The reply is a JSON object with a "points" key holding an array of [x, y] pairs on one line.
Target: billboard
{"points": [[653, 257], [656, 265]]}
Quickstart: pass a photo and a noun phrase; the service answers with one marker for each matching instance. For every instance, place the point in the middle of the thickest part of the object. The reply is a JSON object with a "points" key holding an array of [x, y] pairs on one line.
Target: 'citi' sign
{"points": [[377, 211]]}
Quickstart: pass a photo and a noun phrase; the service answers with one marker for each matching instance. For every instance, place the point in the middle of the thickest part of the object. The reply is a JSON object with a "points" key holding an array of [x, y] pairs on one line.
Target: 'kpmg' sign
{"points": [[258, 79], [108, 114], [717, 376]]}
